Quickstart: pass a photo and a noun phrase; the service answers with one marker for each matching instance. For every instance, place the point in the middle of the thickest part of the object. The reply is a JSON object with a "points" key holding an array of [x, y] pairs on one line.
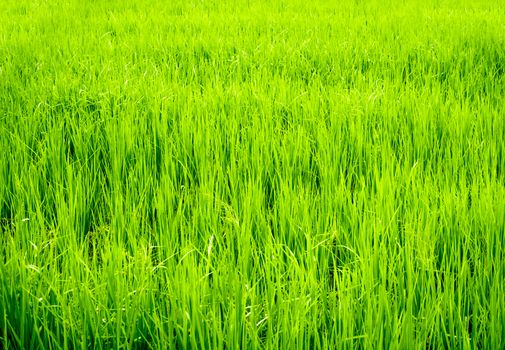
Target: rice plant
{"points": [[252, 174]]}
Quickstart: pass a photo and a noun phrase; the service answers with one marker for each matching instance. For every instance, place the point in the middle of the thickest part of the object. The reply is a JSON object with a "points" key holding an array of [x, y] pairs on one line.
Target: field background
{"points": [[246, 174]]}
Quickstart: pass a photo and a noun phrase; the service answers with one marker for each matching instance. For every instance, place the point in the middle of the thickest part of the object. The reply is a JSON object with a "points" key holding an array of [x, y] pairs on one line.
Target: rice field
{"points": [[245, 174]]}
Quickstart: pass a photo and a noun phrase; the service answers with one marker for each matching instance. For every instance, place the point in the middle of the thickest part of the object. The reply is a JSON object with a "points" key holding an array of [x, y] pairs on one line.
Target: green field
{"points": [[252, 174]]}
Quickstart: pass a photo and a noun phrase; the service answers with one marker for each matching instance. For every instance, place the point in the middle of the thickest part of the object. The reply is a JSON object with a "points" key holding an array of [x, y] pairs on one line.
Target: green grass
{"points": [[252, 174]]}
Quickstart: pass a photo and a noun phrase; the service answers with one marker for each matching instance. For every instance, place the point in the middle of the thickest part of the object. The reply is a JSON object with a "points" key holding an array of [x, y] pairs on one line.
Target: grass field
{"points": [[252, 174]]}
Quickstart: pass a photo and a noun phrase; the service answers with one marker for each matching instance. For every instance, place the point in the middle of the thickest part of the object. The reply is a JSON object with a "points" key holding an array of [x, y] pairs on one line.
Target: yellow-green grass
{"points": [[252, 174]]}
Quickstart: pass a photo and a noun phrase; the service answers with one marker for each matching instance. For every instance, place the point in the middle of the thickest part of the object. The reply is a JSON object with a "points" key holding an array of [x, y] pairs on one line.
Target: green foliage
{"points": [[252, 174]]}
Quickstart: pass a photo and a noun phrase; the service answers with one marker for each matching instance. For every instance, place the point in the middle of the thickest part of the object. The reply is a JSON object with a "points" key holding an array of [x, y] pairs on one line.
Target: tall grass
{"points": [[249, 174]]}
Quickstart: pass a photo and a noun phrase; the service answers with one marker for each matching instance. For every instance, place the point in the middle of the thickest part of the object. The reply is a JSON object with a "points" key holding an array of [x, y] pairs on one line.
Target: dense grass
{"points": [[248, 174]]}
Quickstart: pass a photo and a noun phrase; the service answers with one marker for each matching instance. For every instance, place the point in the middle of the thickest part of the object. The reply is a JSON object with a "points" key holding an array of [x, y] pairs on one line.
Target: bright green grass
{"points": [[246, 174]]}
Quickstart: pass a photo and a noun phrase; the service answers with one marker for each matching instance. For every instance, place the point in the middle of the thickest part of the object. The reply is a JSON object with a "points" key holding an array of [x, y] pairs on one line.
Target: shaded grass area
{"points": [[247, 175]]}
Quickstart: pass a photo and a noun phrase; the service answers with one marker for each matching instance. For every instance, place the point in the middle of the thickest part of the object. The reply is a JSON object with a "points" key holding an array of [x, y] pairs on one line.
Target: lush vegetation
{"points": [[246, 174]]}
